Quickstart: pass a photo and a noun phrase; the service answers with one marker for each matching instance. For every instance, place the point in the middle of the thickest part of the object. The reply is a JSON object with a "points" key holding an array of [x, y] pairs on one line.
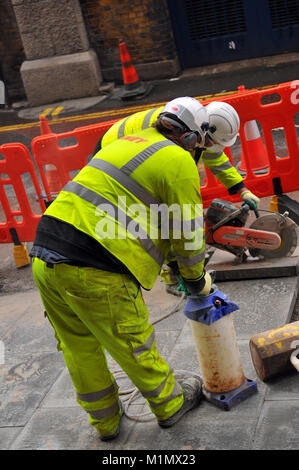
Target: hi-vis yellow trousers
{"points": [[92, 311]]}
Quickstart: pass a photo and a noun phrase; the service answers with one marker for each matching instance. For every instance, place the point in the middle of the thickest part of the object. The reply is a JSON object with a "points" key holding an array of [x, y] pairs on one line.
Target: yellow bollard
{"points": [[20, 251], [274, 204]]}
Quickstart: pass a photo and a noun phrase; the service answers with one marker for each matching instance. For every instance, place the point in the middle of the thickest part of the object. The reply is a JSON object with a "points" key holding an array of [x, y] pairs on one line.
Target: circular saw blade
{"points": [[284, 227]]}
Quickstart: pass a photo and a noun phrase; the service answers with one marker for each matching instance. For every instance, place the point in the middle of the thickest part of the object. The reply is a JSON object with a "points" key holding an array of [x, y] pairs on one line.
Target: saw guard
{"points": [[247, 237]]}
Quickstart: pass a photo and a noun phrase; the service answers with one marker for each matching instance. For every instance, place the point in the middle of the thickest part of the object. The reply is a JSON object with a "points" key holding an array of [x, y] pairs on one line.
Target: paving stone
{"points": [[61, 394], [194, 432], [8, 435], [66, 428], [12, 307], [284, 387], [278, 426], [263, 304], [30, 334], [160, 304], [24, 384]]}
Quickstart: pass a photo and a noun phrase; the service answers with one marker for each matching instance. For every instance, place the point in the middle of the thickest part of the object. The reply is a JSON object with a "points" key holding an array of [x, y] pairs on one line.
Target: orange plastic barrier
{"points": [[57, 155], [14, 162], [274, 108]]}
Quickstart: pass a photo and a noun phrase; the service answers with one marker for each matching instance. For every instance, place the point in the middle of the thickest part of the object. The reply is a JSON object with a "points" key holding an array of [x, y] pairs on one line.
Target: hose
{"points": [[130, 395]]}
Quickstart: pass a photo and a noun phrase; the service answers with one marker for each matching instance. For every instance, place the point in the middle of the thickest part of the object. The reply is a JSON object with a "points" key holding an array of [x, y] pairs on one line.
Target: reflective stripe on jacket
{"points": [[218, 163], [222, 168], [131, 124], [122, 198]]}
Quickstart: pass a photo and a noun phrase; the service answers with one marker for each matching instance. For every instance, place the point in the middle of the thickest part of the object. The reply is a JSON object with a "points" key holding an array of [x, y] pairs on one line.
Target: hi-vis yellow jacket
{"points": [[218, 163], [139, 197]]}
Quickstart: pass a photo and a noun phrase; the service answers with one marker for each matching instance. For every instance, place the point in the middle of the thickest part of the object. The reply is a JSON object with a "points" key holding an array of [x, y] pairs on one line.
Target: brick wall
{"points": [[144, 25], [11, 52]]}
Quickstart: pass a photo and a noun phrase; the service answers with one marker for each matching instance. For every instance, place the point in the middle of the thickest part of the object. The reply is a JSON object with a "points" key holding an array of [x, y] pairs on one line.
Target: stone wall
{"points": [[11, 52]]}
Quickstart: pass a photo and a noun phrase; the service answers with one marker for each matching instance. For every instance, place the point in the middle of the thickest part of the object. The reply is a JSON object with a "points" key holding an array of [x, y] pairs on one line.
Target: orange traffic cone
{"points": [[133, 88], [44, 125], [256, 150]]}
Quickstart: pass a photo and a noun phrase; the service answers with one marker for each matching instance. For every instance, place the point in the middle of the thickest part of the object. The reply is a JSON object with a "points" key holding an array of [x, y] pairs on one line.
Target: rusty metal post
{"points": [[217, 350]]}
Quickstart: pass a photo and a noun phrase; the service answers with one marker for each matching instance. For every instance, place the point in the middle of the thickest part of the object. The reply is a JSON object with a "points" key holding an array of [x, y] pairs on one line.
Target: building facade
{"points": [[44, 41]]}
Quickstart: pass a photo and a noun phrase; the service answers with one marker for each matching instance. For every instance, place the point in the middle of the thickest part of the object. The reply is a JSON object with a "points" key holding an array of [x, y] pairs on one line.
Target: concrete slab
{"points": [[30, 334], [227, 270], [12, 307], [278, 426], [285, 387], [194, 433], [62, 393], [66, 428], [24, 385], [7, 436], [264, 303], [160, 304]]}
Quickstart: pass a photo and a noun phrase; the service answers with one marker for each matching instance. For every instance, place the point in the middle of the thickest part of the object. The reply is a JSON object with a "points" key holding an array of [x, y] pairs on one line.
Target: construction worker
{"points": [[223, 131], [92, 254]]}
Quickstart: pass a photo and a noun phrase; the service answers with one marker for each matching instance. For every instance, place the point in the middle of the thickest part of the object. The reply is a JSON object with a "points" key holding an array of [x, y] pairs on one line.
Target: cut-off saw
{"points": [[272, 235]]}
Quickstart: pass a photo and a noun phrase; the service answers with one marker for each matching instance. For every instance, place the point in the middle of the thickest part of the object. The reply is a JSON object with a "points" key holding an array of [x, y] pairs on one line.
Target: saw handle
{"points": [[246, 208]]}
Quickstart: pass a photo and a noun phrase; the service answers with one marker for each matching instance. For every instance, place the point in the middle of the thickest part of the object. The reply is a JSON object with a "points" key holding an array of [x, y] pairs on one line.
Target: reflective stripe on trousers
{"points": [[94, 311]]}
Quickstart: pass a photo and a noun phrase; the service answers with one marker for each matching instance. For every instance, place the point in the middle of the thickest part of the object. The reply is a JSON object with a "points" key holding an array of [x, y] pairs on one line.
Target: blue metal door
{"points": [[215, 31]]}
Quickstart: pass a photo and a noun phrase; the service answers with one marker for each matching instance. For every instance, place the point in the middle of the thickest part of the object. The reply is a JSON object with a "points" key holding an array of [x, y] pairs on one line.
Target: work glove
{"points": [[207, 288], [250, 198], [205, 291]]}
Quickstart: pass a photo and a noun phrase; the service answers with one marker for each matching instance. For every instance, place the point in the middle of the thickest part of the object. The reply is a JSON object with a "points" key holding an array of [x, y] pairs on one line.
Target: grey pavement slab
{"points": [[38, 405], [195, 433], [31, 333], [284, 387], [12, 307], [263, 304], [278, 426], [67, 428], [8, 435], [24, 385]]}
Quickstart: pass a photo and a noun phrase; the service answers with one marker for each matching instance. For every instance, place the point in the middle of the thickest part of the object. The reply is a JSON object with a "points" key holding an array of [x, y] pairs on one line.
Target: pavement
{"points": [[37, 399]]}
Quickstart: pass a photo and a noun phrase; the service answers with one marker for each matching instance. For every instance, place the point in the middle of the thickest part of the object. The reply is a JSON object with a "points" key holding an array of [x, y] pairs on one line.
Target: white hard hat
{"points": [[190, 112], [224, 123]]}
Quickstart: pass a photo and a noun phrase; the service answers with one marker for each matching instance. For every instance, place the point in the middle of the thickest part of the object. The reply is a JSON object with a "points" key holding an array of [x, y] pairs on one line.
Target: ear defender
{"points": [[189, 139]]}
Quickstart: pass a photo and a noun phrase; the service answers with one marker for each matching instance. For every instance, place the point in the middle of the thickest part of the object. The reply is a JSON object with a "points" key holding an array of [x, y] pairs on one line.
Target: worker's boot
{"points": [[192, 391], [109, 437], [173, 289]]}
